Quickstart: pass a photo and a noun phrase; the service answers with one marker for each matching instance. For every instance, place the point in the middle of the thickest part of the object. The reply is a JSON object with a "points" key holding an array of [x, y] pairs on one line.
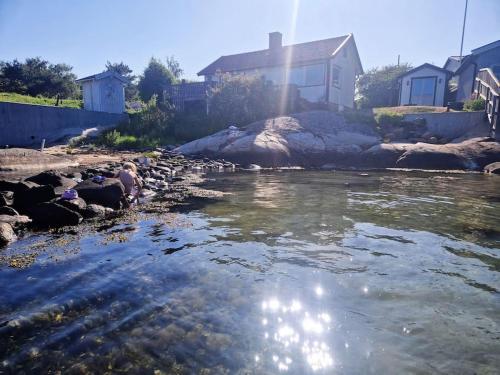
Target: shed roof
{"points": [[292, 54], [103, 75], [426, 65]]}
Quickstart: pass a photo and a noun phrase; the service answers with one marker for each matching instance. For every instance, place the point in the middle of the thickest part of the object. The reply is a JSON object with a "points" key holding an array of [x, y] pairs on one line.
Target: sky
{"points": [[87, 33]]}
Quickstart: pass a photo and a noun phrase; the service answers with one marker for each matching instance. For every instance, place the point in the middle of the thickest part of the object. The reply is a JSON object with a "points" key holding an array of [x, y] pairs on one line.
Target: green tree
{"points": [[174, 67], [131, 91], [38, 77], [379, 87], [154, 79], [243, 99]]}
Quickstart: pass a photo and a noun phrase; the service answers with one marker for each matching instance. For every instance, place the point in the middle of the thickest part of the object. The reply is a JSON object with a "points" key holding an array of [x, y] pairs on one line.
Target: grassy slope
{"points": [[408, 109], [18, 98]]}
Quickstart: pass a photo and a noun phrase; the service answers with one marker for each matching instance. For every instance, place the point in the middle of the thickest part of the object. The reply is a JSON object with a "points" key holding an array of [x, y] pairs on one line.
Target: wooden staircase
{"points": [[487, 86]]}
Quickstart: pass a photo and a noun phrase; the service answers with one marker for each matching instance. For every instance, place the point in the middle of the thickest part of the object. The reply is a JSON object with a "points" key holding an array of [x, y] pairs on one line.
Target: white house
{"points": [[427, 84], [104, 92], [324, 70]]}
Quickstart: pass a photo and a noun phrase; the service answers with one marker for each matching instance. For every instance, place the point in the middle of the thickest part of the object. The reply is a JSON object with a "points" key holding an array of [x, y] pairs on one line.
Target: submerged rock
{"points": [[6, 234]]}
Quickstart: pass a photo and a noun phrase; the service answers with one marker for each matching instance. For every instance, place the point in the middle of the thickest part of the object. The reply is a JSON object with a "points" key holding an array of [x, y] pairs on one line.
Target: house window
{"points": [[308, 75], [314, 75], [335, 78], [423, 91]]}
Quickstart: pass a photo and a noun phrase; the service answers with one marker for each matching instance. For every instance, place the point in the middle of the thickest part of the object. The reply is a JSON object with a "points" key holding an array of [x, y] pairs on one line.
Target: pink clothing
{"points": [[127, 178]]}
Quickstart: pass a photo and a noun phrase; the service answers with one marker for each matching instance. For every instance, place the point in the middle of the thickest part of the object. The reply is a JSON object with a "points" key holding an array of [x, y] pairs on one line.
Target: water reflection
{"points": [[297, 330]]}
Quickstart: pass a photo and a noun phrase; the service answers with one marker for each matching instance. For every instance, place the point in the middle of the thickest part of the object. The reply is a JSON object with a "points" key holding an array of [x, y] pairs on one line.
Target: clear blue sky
{"points": [[87, 33]]}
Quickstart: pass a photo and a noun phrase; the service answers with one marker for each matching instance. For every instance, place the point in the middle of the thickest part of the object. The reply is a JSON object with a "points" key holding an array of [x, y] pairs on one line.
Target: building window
{"points": [[423, 90], [335, 78], [314, 75], [308, 75]]}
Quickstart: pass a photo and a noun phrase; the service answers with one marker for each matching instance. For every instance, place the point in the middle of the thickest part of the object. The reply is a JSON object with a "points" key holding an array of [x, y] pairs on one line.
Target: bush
{"points": [[242, 100], [115, 139], [474, 105], [385, 119]]}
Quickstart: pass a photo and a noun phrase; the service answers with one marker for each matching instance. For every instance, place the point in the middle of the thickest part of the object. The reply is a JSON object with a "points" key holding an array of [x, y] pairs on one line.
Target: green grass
{"points": [[18, 98]]}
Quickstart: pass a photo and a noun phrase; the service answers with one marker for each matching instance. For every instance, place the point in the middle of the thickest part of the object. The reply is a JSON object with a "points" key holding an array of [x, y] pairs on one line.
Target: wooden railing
{"points": [[178, 94], [488, 77]]}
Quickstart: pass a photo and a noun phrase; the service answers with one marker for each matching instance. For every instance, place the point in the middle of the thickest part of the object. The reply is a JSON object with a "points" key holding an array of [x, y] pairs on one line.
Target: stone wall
{"points": [[450, 124], [26, 124]]}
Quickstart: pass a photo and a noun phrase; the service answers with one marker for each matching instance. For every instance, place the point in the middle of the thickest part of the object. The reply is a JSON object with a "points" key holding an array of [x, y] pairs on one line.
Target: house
{"points": [[324, 71], [426, 84], [487, 56], [104, 92]]}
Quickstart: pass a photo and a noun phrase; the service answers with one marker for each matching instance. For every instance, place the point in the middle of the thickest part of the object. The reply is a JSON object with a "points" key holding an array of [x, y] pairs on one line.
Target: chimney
{"points": [[275, 41]]}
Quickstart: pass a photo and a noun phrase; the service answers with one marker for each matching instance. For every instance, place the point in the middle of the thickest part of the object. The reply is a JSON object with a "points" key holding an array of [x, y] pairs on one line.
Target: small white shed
{"points": [[104, 92], [427, 84]]}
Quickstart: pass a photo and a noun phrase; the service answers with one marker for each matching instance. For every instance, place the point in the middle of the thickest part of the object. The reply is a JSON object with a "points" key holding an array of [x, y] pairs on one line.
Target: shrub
{"points": [[241, 100], [474, 105], [385, 119]]}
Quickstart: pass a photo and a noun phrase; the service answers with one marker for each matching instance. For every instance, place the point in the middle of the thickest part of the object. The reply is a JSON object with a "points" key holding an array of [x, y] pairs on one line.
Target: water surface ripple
{"points": [[292, 272]]}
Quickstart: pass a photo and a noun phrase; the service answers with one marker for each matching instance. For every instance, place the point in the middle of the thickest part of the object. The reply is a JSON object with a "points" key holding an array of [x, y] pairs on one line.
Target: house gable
{"points": [[295, 54]]}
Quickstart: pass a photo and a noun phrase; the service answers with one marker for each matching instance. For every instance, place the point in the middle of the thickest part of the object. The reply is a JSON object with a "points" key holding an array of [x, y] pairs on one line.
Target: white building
{"points": [[104, 92], [427, 85], [324, 70]]}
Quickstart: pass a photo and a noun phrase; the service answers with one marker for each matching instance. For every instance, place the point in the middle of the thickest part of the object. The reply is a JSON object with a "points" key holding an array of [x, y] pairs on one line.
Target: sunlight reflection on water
{"points": [[297, 329]]}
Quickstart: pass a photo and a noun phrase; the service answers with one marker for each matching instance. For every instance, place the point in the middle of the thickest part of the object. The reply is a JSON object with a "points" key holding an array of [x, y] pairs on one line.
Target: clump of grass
{"points": [[116, 140], [474, 105], [38, 100], [385, 119]]}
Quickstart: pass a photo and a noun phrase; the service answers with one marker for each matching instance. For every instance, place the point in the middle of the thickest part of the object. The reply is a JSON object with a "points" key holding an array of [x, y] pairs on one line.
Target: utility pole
{"points": [[398, 59], [463, 30]]}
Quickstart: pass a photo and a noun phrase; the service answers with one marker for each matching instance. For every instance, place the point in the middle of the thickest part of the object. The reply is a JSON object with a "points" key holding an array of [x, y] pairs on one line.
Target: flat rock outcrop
{"points": [[22, 159], [304, 138], [321, 138]]}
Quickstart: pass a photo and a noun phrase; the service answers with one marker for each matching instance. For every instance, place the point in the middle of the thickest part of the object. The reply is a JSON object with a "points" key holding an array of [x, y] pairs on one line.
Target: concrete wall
{"points": [[27, 125], [440, 88], [450, 124]]}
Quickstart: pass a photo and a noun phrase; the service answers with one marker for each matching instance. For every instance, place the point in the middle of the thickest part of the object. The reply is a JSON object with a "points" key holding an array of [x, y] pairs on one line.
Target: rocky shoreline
{"points": [[37, 203]]}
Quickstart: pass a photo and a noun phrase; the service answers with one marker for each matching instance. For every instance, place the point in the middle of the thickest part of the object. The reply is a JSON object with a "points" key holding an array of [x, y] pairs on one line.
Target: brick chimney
{"points": [[275, 41]]}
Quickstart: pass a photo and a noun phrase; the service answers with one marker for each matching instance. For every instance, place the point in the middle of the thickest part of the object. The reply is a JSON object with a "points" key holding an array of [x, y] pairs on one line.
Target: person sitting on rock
{"points": [[130, 180]]}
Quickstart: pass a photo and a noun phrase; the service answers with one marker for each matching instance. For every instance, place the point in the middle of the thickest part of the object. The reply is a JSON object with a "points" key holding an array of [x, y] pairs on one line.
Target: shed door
{"points": [[423, 91]]}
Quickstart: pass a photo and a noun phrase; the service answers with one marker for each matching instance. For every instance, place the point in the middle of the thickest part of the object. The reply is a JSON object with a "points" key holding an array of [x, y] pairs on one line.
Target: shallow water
{"points": [[293, 272]]}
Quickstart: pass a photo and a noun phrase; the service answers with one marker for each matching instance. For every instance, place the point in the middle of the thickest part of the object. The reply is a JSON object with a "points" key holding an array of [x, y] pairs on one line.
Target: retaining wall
{"points": [[26, 124], [450, 124]]}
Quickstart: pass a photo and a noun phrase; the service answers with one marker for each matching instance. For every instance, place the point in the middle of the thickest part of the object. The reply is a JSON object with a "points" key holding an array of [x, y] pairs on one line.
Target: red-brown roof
{"points": [[299, 53]]}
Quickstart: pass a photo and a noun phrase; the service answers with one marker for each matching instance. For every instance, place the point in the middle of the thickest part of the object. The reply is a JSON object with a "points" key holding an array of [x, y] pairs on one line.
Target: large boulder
{"points": [[51, 214], [109, 193], [308, 138], [493, 168], [6, 234], [24, 199], [53, 178]]}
